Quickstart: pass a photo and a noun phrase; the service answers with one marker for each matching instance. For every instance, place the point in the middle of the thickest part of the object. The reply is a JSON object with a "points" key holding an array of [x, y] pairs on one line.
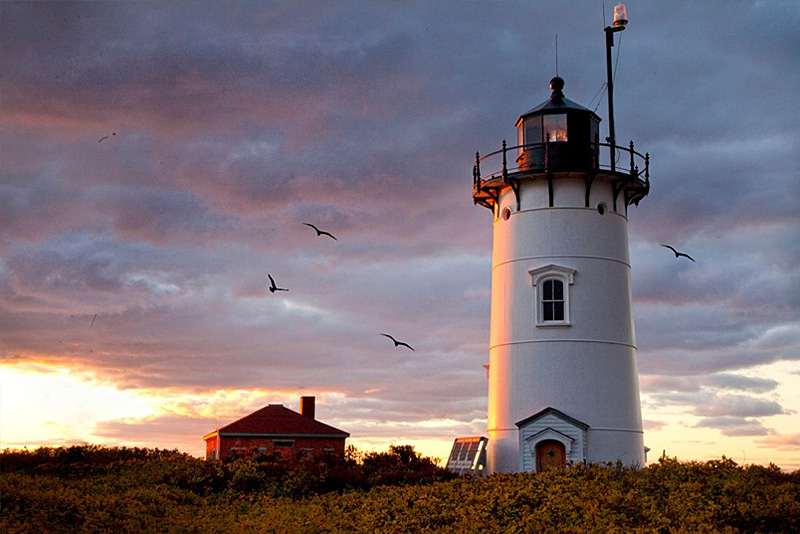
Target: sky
{"points": [[159, 159]]}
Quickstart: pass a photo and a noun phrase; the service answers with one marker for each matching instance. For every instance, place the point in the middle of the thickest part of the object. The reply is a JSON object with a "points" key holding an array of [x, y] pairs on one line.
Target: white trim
{"points": [[551, 434], [565, 275], [524, 341], [562, 256]]}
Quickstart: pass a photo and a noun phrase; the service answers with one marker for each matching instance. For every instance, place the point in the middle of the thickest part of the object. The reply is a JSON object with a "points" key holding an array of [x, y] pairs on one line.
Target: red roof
{"points": [[277, 420]]}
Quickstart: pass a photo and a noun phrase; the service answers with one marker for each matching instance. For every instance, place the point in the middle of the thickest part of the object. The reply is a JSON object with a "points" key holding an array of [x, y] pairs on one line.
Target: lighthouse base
{"points": [[552, 438]]}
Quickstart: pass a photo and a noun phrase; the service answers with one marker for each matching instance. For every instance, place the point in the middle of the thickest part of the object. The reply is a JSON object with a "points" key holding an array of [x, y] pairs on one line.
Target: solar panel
{"points": [[468, 456]]}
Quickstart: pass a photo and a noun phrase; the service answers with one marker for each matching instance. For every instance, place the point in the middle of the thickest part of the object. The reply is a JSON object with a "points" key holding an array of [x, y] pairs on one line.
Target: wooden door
{"points": [[550, 453]]}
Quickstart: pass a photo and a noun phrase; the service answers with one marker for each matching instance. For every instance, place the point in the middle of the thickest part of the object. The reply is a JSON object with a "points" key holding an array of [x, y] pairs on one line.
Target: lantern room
{"points": [[558, 135]]}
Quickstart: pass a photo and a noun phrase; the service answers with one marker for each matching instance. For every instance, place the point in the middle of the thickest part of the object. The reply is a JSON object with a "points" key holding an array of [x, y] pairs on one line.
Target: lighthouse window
{"points": [[553, 300], [552, 283], [533, 131], [555, 127]]}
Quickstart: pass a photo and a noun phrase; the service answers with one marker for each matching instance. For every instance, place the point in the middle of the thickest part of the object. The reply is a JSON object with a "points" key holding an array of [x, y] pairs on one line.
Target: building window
{"points": [[281, 445], [552, 300], [551, 284]]}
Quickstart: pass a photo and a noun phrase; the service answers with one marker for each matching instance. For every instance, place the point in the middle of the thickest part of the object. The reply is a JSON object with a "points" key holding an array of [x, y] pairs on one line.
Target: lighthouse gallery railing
{"points": [[633, 171]]}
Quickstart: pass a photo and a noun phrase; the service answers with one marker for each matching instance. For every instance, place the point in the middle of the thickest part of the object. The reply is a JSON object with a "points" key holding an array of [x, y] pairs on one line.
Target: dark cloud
{"points": [[743, 383]]}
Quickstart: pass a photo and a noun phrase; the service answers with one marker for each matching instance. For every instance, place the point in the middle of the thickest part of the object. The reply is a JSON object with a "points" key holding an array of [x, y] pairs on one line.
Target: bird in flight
{"points": [[105, 137], [678, 254], [321, 232], [398, 343], [93, 320], [272, 287]]}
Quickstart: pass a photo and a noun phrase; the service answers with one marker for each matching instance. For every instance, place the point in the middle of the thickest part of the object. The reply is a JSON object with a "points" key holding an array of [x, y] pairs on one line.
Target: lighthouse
{"points": [[563, 380]]}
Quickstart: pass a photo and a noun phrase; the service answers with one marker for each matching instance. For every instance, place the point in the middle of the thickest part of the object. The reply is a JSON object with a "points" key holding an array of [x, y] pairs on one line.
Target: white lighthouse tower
{"points": [[563, 382]]}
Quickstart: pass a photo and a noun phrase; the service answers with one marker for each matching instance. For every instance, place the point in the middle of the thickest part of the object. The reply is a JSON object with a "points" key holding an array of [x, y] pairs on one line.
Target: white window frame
{"points": [[552, 272]]}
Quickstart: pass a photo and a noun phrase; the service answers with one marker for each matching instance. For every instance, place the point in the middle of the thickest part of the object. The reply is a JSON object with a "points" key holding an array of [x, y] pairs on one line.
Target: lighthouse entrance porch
{"points": [[550, 438]]}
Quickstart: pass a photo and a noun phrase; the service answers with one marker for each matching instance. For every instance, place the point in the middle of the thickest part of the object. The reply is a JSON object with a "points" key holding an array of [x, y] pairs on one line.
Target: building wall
{"points": [[247, 444], [211, 448]]}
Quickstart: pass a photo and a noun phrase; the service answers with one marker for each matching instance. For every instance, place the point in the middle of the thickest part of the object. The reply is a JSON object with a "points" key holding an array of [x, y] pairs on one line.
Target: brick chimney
{"points": [[307, 407]]}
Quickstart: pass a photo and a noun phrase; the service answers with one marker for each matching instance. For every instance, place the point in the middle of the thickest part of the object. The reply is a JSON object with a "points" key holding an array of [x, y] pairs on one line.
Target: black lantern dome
{"points": [[558, 134]]}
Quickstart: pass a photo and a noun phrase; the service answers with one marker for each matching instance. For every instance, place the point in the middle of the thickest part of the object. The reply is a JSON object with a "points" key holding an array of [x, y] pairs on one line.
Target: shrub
{"points": [[138, 490]]}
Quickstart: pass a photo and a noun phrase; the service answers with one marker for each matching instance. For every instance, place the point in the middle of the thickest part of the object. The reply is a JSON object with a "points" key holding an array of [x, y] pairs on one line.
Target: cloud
{"points": [[715, 345], [720, 381], [651, 425], [743, 383], [732, 414], [739, 406], [782, 442], [734, 426]]}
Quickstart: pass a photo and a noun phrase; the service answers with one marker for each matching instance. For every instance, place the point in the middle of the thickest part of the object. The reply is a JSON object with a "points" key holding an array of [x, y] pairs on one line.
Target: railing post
{"points": [[647, 168], [547, 152], [632, 162], [477, 168], [505, 165]]}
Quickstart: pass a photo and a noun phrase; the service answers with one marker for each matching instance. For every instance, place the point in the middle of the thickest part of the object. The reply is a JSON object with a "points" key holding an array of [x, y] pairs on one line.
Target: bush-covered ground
{"points": [[96, 489]]}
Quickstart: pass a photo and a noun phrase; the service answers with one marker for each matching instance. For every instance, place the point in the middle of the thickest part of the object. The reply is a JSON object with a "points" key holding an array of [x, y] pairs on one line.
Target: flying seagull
{"points": [[398, 343], [321, 232], [678, 254], [93, 320], [105, 137], [272, 287]]}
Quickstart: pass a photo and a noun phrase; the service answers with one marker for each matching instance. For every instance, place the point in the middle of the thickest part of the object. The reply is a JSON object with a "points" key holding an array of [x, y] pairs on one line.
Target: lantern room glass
{"points": [[555, 127], [533, 131]]}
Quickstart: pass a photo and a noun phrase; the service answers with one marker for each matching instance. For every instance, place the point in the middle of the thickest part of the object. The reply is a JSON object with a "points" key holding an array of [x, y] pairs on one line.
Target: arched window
{"points": [[552, 294]]}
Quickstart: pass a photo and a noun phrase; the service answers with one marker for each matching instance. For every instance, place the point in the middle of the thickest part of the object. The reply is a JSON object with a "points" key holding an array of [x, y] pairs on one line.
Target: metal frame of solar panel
{"points": [[468, 456]]}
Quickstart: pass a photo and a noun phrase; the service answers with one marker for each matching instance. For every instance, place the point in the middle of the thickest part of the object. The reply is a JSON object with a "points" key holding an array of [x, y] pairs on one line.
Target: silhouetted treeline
{"points": [[275, 474]]}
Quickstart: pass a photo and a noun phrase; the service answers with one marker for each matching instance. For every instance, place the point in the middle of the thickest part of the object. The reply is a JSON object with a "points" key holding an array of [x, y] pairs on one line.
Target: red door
{"points": [[550, 453]]}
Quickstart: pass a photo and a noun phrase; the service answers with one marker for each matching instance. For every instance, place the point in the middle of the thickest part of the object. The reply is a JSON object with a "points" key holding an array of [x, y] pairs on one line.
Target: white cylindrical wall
{"points": [[586, 369]]}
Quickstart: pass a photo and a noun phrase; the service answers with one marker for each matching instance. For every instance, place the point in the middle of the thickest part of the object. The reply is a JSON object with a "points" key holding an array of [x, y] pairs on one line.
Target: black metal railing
{"points": [[639, 164]]}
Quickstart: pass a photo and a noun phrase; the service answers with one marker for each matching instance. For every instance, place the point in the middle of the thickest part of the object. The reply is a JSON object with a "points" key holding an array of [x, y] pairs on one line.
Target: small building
{"points": [[276, 429]]}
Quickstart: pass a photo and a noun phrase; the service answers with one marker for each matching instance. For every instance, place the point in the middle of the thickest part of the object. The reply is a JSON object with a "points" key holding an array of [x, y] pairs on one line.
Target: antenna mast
{"points": [[556, 55]]}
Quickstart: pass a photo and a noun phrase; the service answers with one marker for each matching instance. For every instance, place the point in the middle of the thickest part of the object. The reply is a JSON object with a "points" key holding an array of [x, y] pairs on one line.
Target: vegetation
{"points": [[96, 489]]}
